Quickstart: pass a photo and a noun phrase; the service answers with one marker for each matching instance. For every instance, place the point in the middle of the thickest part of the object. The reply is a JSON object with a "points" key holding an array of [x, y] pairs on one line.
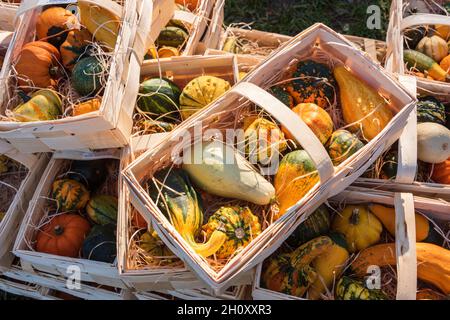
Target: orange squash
{"points": [[316, 118], [53, 25], [441, 172], [38, 65], [445, 64], [74, 47], [87, 106]]}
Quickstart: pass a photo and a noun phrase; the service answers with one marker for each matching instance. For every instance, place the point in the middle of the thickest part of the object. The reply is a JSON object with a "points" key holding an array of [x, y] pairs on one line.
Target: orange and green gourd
{"points": [[102, 209], [74, 47], [342, 145], [70, 195], [42, 105]]}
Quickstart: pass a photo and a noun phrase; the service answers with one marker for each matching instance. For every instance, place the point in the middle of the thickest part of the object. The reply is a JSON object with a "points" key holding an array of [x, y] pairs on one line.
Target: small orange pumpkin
{"points": [[190, 4], [441, 172], [74, 47], [38, 63], [53, 25], [63, 235]]}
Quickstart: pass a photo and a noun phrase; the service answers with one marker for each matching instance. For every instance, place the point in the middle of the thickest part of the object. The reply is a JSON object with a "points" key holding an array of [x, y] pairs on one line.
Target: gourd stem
{"points": [[354, 218], [25, 98], [53, 71], [58, 230], [207, 249]]}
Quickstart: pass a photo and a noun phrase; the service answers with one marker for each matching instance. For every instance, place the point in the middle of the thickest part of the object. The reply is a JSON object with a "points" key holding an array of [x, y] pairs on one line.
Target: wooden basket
{"points": [[398, 23], [233, 293], [7, 15], [9, 225], [110, 126], [333, 180], [405, 205], [167, 280], [91, 271]]}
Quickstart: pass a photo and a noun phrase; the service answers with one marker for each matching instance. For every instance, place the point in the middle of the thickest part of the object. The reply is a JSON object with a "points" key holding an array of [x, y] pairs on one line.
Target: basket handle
{"points": [[405, 246], [28, 160], [290, 120], [424, 19]]}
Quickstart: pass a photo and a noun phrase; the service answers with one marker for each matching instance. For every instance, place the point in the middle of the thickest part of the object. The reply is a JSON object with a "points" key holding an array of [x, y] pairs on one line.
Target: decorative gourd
{"points": [[43, 105], [153, 246], [442, 31], [172, 37], [412, 36], [153, 126], [429, 294], [313, 83], [87, 76], [430, 109], [102, 209], [342, 145], [38, 65], [441, 172], [425, 231], [433, 142], [217, 175], [160, 98], [290, 273], [74, 47], [180, 203], [316, 118], [433, 262], [90, 173], [351, 289], [53, 25], [445, 64], [282, 95], [317, 224], [70, 195], [390, 165], [90, 105], [138, 221], [100, 22], [361, 105], [190, 4], [296, 175], [435, 47], [263, 140], [200, 92], [359, 226], [167, 52], [63, 235], [232, 45], [100, 244], [423, 63], [240, 226]]}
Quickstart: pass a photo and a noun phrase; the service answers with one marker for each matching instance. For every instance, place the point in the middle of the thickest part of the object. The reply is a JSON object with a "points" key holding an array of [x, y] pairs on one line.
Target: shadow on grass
{"points": [[292, 16]]}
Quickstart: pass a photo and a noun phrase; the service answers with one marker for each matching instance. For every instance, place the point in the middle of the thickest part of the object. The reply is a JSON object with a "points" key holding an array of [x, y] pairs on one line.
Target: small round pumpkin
{"points": [[38, 65], [53, 25], [441, 172], [316, 118], [87, 76], [190, 4], [70, 195], [75, 45], [359, 226], [63, 235], [435, 47]]}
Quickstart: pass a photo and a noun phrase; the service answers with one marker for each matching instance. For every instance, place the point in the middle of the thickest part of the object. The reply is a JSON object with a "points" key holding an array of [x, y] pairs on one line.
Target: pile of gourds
{"points": [[64, 52], [83, 224], [177, 191], [321, 265], [427, 53]]}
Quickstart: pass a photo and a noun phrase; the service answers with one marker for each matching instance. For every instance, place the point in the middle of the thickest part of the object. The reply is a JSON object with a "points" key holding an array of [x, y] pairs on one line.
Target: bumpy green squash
{"points": [[179, 202], [317, 224], [282, 95], [172, 37], [160, 98], [291, 273], [342, 145], [200, 92], [430, 109], [241, 227], [43, 105], [70, 195], [100, 244], [102, 209], [313, 83], [87, 76], [351, 289], [296, 175]]}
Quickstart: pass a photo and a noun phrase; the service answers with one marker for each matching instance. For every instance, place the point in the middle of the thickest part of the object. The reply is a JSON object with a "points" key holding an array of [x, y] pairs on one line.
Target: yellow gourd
{"points": [[362, 106], [87, 106]]}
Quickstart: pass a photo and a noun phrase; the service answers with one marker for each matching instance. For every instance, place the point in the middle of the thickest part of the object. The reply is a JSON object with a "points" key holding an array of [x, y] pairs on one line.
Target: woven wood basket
{"points": [[333, 180], [9, 225], [110, 126], [405, 205]]}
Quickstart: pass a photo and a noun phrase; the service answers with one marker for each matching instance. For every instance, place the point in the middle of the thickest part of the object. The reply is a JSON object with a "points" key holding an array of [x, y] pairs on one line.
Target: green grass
{"points": [[292, 16]]}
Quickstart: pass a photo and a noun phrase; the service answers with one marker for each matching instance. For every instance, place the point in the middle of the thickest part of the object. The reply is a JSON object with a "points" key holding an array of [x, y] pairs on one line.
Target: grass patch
{"points": [[292, 16]]}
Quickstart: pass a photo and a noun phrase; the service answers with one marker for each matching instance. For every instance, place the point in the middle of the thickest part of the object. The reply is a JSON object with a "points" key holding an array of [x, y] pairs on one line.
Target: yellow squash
{"points": [[362, 106]]}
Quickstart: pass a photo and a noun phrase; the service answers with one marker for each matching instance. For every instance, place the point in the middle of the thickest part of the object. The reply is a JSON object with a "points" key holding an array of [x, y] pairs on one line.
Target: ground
{"points": [[292, 16]]}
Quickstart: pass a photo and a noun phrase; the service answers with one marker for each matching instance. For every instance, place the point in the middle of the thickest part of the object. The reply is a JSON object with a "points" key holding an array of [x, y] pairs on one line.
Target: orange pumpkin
{"points": [[190, 4], [316, 118], [38, 65], [445, 64], [74, 47], [53, 25], [63, 235], [441, 172]]}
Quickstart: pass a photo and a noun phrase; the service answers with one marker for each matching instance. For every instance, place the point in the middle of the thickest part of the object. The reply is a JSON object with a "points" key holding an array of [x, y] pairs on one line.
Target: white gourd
{"points": [[433, 142]]}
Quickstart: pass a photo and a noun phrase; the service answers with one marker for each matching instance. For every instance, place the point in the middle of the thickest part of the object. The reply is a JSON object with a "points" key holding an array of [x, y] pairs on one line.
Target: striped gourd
{"points": [[70, 195], [102, 209]]}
